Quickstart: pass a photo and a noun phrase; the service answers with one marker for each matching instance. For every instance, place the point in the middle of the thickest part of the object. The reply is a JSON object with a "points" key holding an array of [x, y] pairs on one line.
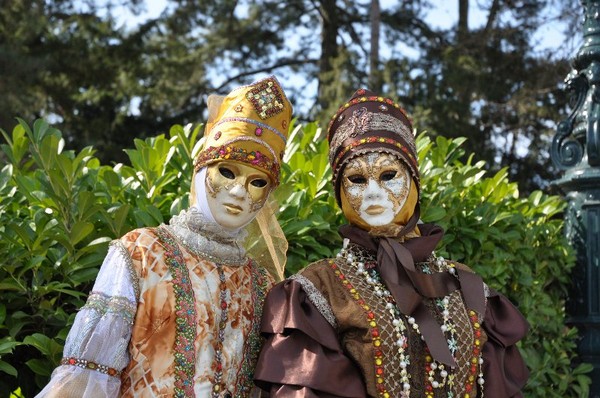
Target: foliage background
{"points": [[484, 67], [59, 208]]}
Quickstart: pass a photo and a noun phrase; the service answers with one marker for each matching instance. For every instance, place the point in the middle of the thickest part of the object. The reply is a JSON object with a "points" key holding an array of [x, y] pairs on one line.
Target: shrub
{"points": [[59, 210]]}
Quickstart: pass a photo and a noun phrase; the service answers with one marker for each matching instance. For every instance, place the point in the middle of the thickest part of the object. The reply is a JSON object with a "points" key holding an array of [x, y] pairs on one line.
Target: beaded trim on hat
{"points": [[376, 140], [228, 152], [363, 121], [251, 121], [359, 100]]}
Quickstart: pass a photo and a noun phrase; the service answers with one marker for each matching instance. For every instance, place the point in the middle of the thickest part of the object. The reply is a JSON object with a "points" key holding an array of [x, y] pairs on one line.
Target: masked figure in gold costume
{"points": [[175, 310], [386, 317]]}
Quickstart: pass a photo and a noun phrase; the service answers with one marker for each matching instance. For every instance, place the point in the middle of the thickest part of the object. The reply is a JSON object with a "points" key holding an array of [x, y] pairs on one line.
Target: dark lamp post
{"points": [[576, 150]]}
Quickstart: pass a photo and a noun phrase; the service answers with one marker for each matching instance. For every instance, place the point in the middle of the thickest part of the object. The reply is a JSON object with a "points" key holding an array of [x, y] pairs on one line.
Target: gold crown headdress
{"points": [[249, 125]]}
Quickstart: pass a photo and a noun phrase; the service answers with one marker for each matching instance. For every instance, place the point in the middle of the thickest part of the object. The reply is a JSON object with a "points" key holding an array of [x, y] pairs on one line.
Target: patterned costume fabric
{"points": [[149, 327], [386, 317]]}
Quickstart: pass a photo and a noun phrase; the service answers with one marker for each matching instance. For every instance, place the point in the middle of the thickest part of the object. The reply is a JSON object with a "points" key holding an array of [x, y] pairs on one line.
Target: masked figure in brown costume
{"points": [[175, 310], [386, 317]]}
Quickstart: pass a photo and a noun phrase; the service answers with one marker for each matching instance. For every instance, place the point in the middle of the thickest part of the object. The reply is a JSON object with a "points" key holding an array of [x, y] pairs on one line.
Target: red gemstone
{"points": [[72, 361], [370, 315], [469, 387], [429, 387], [219, 367], [258, 131], [375, 333], [379, 371], [223, 305]]}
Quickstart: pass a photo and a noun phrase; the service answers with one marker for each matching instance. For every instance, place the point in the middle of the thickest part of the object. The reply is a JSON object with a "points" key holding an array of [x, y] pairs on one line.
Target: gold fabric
{"points": [[248, 124], [266, 242]]}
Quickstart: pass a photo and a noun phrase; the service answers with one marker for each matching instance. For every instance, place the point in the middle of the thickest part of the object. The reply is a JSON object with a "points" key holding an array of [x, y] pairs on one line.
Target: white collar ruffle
{"points": [[208, 239]]}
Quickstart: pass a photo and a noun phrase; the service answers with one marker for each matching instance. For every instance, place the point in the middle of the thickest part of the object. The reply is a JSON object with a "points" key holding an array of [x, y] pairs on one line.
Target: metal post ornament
{"points": [[576, 150]]}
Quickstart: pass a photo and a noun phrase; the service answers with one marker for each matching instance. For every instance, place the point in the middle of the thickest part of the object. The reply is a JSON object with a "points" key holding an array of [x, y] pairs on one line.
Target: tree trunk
{"points": [[374, 72], [329, 49], [463, 20]]}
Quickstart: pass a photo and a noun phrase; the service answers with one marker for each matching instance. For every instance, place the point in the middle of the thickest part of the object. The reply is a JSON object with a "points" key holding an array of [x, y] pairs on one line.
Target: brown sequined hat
{"points": [[249, 125], [370, 123]]}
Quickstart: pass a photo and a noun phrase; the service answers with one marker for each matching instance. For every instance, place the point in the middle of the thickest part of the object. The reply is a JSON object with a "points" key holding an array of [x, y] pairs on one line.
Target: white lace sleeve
{"points": [[96, 348]]}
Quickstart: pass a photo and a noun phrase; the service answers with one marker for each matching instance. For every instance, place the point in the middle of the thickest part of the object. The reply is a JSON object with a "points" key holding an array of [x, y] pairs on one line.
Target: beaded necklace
{"points": [[436, 375]]}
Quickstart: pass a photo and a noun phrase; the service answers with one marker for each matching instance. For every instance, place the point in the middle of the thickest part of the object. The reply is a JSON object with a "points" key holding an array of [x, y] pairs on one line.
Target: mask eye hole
{"points": [[387, 175], [259, 182], [227, 173], [357, 179]]}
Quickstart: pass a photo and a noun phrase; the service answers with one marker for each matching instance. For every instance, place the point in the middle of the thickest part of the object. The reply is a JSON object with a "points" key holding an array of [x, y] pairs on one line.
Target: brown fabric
{"points": [[504, 370], [396, 264], [303, 350]]}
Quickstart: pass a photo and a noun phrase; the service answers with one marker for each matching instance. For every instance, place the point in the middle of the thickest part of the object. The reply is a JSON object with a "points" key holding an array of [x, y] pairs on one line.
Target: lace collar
{"points": [[208, 239]]}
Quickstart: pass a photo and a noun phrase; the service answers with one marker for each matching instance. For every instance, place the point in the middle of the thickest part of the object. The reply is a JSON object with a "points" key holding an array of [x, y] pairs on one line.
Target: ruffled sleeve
{"points": [[504, 370], [96, 349], [302, 357]]}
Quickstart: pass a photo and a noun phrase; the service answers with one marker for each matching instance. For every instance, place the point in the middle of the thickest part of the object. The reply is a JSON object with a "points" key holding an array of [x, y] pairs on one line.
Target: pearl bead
{"points": [[433, 366], [452, 270], [389, 306], [403, 364], [411, 320], [480, 361], [435, 384], [446, 313], [444, 328], [481, 381], [444, 374], [396, 322], [406, 386]]}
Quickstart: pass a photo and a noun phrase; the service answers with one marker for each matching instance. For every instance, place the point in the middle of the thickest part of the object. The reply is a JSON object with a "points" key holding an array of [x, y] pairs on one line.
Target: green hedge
{"points": [[59, 210]]}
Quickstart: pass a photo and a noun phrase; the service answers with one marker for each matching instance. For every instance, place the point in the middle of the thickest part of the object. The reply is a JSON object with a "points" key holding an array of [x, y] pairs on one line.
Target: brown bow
{"points": [[396, 265]]}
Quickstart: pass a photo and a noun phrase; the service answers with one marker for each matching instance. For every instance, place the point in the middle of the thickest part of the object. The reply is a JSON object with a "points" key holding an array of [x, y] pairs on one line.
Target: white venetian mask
{"points": [[235, 192], [376, 186]]}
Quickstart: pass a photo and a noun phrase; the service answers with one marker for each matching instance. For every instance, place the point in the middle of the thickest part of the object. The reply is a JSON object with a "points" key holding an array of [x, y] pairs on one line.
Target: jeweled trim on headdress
{"points": [[362, 121], [231, 152], [266, 98], [371, 140], [252, 121], [358, 100]]}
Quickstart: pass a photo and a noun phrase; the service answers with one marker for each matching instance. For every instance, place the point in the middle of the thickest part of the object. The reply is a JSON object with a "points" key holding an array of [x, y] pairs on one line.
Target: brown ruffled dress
{"points": [[335, 330]]}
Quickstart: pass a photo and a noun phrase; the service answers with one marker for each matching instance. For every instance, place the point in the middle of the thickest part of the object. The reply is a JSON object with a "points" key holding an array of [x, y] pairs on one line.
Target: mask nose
{"points": [[373, 191], [237, 191]]}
